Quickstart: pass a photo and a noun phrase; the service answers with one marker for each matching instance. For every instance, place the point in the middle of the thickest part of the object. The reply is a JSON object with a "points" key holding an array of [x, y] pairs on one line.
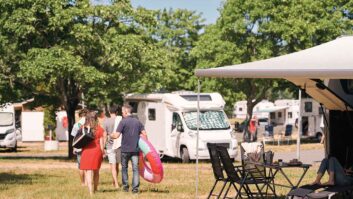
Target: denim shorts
{"points": [[114, 156], [78, 156]]}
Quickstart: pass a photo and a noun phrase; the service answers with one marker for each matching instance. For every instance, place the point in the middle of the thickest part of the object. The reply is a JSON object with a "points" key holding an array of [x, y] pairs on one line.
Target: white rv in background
{"points": [[312, 116], [285, 111], [7, 127], [240, 109], [170, 120]]}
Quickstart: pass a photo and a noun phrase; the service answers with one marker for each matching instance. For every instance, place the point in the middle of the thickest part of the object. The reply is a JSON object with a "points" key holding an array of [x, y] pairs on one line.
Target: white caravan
{"points": [[284, 112], [240, 109], [7, 127], [170, 120], [312, 118]]}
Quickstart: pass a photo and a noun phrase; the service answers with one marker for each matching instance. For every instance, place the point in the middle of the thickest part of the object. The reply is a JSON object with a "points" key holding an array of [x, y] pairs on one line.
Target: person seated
{"points": [[337, 174]]}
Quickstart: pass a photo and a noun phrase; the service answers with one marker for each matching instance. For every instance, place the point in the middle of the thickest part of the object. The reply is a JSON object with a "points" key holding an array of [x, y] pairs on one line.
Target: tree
{"points": [[176, 32], [252, 30], [62, 49]]}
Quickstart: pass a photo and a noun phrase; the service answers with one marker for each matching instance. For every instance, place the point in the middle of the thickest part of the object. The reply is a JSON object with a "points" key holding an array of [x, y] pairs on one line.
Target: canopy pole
{"points": [[299, 124], [197, 138]]}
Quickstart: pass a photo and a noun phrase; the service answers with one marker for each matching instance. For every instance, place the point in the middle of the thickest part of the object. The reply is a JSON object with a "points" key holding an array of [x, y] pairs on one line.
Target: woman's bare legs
{"points": [[96, 179], [89, 181]]}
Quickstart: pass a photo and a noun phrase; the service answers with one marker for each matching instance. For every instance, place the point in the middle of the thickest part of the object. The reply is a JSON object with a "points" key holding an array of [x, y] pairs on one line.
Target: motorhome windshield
{"points": [[6, 119], [210, 120]]}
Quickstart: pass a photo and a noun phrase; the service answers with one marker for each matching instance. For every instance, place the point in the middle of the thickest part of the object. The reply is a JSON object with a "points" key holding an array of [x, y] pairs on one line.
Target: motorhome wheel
{"points": [[185, 158], [14, 149]]}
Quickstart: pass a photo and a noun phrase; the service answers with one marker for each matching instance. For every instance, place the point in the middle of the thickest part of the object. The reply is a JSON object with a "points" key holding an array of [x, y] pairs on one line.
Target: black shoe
{"points": [[135, 191], [125, 189]]}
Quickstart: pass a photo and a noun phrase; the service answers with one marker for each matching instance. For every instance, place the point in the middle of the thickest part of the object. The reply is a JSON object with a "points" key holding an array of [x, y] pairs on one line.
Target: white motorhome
{"points": [[312, 116], [240, 109], [284, 112], [170, 120], [7, 127]]}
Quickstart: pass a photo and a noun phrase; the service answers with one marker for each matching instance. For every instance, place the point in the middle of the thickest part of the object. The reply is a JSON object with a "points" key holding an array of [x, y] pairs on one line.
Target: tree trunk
{"points": [[71, 120]]}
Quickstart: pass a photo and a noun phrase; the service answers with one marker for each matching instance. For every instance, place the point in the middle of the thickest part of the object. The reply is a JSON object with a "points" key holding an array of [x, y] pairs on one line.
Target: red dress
{"points": [[91, 158]]}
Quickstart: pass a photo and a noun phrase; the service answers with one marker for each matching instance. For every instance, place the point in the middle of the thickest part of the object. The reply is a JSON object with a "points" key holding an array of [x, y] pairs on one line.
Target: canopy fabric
{"points": [[333, 60]]}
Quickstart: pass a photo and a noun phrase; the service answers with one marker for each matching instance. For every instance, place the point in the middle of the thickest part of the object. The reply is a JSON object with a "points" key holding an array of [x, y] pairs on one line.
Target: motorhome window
{"points": [[6, 119], [194, 97], [176, 120], [279, 114], [308, 107], [210, 120], [273, 115], [151, 114], [290, 115], [240, 109]]}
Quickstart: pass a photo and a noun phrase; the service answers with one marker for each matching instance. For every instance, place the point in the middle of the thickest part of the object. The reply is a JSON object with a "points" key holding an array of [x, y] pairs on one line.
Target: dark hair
{"points": [[115, 109], [128, 108], [100, 112], [83, 112]]}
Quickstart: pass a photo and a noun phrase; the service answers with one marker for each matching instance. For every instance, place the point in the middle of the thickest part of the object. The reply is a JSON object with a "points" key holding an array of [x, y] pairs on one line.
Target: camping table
{"points": [[275, 169]]}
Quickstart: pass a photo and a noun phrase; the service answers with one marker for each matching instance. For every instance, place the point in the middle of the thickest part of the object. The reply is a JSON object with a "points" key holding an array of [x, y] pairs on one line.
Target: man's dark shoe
{"points": [[135, 191], [126, 189]]}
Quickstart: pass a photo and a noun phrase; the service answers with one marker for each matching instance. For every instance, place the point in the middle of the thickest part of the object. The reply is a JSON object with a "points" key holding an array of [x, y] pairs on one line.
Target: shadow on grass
{"points": [[34, 157], [11, 178], [155, 190]]}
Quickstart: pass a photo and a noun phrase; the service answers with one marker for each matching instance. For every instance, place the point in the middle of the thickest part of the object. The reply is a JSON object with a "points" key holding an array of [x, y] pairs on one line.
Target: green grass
{"points": [[20, 179], [29, 174]]}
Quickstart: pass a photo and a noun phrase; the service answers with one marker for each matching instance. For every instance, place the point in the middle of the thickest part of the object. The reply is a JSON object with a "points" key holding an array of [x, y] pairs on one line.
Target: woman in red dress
{"points": [[92, 154]]}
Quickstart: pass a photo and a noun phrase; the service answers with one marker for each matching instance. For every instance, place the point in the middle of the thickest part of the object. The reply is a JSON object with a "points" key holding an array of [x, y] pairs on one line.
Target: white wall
{"points": [[32, 126]]}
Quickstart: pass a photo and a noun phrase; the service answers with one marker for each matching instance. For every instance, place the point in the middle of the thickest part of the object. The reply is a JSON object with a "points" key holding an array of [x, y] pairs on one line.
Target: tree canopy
{"points": [[252, 30]]}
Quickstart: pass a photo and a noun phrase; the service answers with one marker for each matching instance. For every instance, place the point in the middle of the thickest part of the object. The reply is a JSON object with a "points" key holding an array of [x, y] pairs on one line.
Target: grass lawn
{"points": [[58, 178], [33, 173]]}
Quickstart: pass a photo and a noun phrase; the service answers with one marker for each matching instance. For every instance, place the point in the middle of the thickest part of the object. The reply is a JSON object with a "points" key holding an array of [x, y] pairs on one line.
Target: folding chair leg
{"points": [[258, 189], [225, 195], [220, 193], [211, 192]]}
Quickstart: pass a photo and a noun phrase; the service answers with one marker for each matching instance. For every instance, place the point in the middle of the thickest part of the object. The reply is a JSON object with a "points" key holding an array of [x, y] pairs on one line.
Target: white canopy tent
{"points": [[308, 69]]}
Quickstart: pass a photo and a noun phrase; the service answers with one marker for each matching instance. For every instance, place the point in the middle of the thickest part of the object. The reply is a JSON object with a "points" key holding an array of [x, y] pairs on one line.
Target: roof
{"points": [[183, 101], [331, 60], [272, 109]]}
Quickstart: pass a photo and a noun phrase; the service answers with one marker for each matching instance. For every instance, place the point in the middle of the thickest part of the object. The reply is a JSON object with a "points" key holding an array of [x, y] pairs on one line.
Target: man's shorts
{"points": [[114, 156], [78, 155]]}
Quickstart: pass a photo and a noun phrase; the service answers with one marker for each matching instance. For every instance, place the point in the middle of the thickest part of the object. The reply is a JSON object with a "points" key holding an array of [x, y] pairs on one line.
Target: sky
{"points": [[208, 8]]}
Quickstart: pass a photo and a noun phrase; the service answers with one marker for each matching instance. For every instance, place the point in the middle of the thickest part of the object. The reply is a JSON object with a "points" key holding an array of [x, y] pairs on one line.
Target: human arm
{"points": [[101, 142], [105, 137], [115, 135]]}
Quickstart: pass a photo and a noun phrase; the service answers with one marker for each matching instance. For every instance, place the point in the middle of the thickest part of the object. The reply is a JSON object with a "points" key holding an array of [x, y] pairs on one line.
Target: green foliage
{"points": [[251, 30], [176, 33]]}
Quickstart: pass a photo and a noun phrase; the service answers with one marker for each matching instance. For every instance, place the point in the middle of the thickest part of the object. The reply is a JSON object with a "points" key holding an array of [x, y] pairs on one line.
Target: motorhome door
{"points": [[176, 131], [312, 125], [152, 115]]}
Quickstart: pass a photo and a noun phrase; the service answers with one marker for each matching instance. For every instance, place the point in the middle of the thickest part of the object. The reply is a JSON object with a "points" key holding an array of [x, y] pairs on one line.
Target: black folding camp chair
{"points": [[255, 165], [217, 170], [235, 175]]}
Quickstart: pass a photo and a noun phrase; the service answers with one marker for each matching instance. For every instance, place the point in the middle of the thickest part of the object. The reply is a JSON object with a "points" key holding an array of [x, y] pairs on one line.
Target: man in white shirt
{"points": [[113, 145]]}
